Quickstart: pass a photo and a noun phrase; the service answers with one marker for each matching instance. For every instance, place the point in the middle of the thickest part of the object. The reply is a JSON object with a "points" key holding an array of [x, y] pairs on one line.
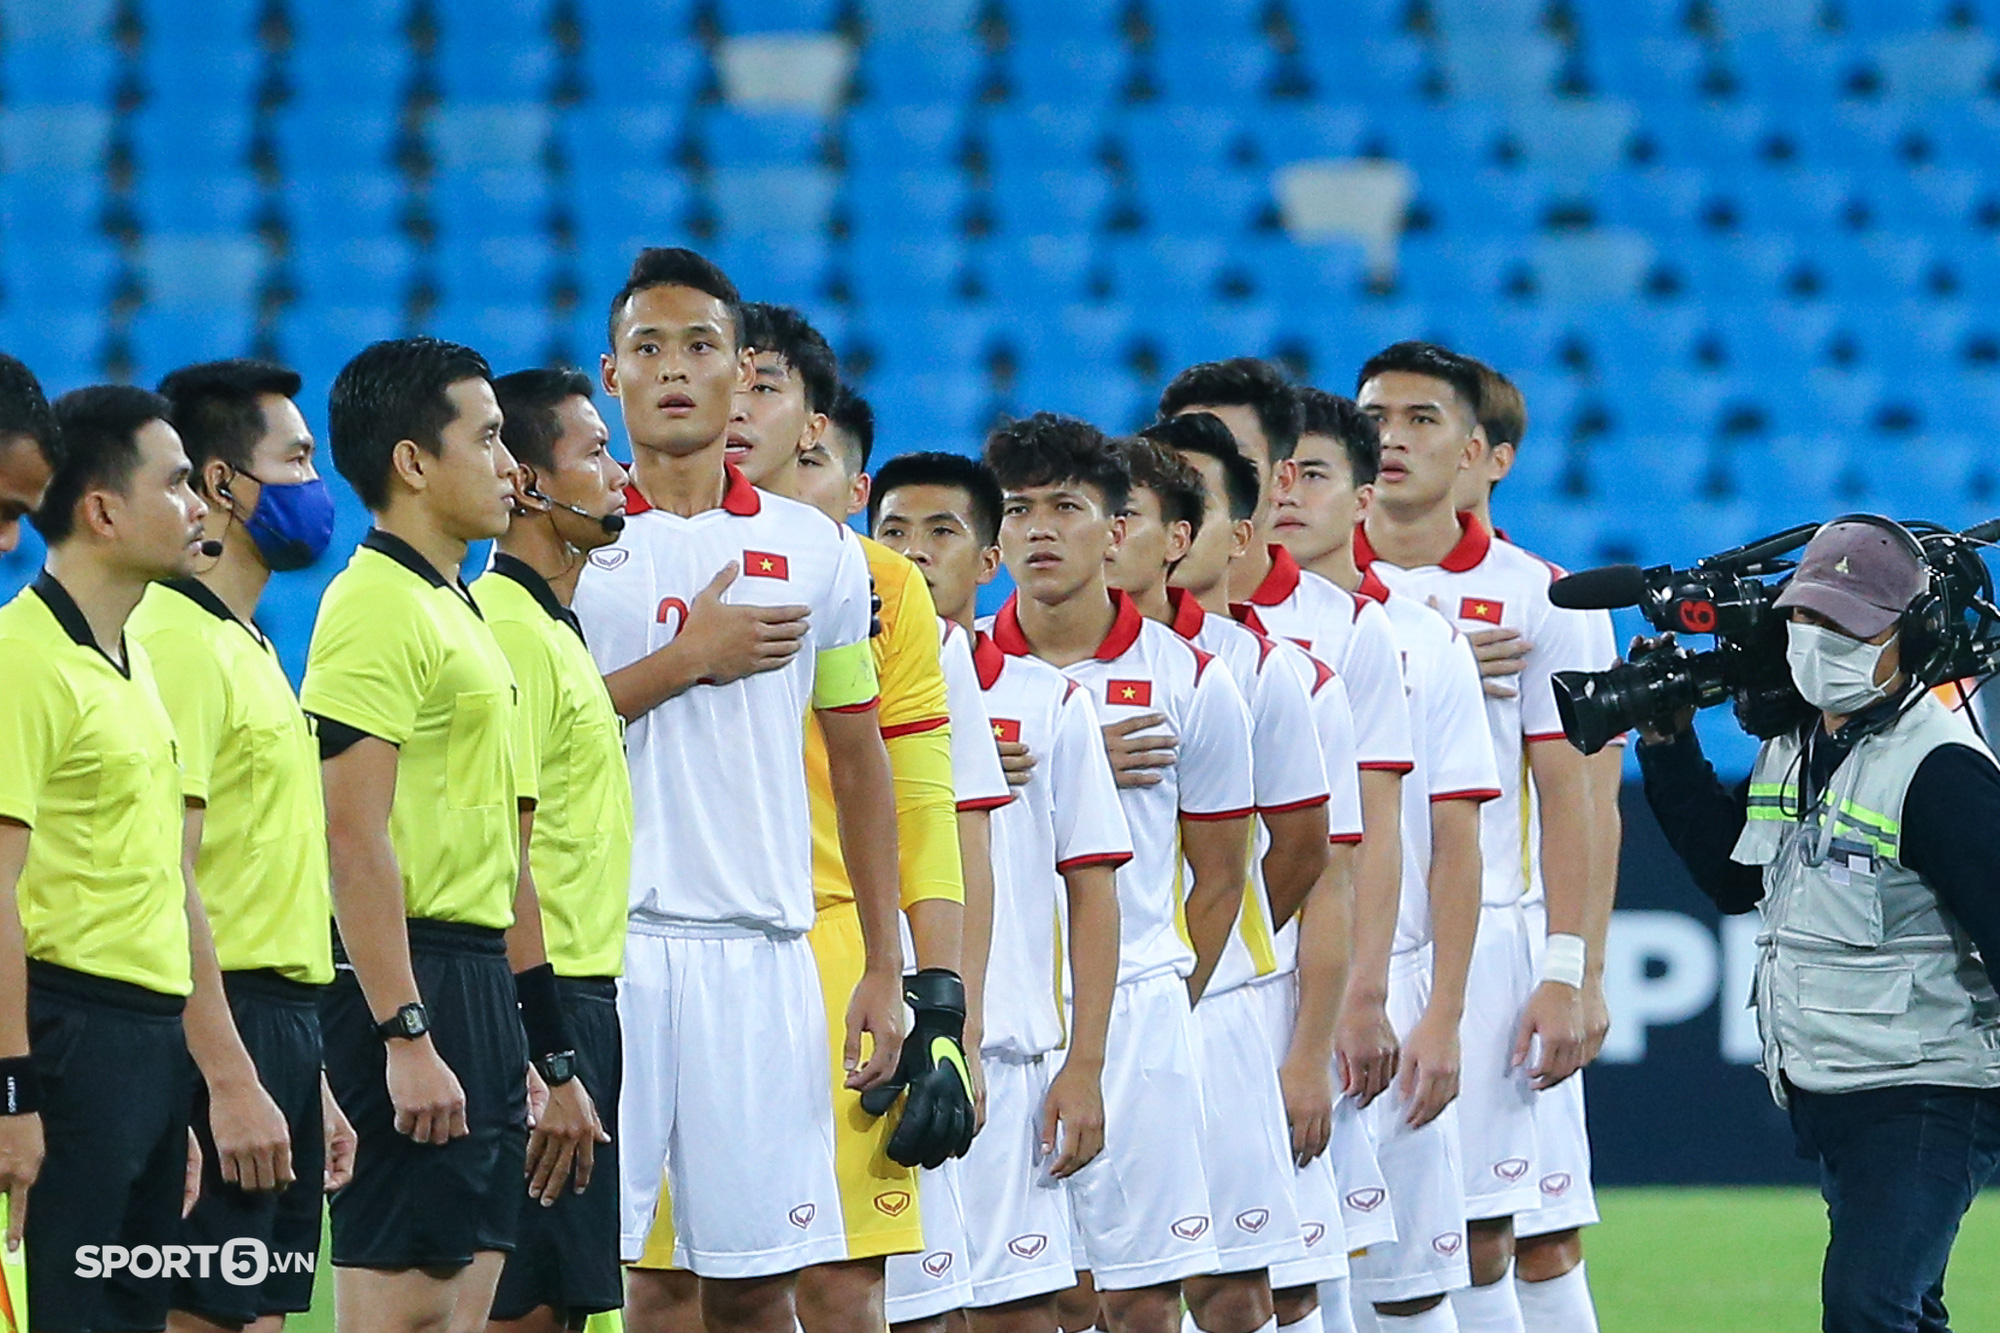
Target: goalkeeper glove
{"points": [[937, 1119]]}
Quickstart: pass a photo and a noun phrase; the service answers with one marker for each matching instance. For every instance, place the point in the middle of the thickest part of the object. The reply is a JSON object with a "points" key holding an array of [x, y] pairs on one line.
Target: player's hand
{"points": [[1307, 1083], [562, 1140], [1596, 1017], [21, 1152], [1502, 653], [874, 1011], [730, 641], [253, 1145], [428, 1100], [1554, 1016], [1428, 1081], [1072, 1132], [1136, 760], [1016, 761], [1365, 1048], [937, 1120], [340, 1141], [191, 1177]]}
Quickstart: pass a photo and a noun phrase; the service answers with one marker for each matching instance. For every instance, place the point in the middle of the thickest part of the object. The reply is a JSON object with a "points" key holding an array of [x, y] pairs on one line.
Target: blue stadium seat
{"points": [[1028, 200], [362, 22], [1627, 341], [1436, 270], [218, 75], [667, 70], [907, 204], [1195, 332], [503, 270], [1760, 340], [661, 20], [1739, 18], [315, 144], [773, 199], [40, 272], [1804, 201], [491, 136], [511, 337], [40, 71], [1291, 133], [60, 20], [1314, 281], [1573, 136], [601, 139], [1333, 27], [1963, 133], [1214, 72], [905, 273], [1792, 71], [1666, 200], [1022, 270], [1708, 134], [922, 67], [470, 206], [1178, 134], [318, 339], [1059, 331], [1175, 270], [365, 272], [617, 210], [1882, 266], [334, 208], [883, 17], [1654, 70], [46, 139], [198, 272], [1212, 20], [1111, 400], [882, 139], [762, 138], [1036, 24], [1459, 19], [912, 339], [1202, 199], [1604, 22], [1494, 202], [200, 142], [1450, 138], [1042, 137], [1524, 339], [742, 17], [1890, 18], [480, 65], [936, 409], [787, 270], [166, 337], [1937, 65], [358, 74], [1069, 73], [1384, 69], [1751, 267], [1501, 68], [171, 201], [62, 346]]}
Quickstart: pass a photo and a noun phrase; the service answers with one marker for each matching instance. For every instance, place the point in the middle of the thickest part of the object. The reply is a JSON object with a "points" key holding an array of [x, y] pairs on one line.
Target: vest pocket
{"points": [[1855, 1015], [476, 754]]}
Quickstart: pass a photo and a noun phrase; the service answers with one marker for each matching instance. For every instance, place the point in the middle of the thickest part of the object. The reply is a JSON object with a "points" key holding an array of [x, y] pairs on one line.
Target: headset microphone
{"points": [[613, 524], [211, 548]]}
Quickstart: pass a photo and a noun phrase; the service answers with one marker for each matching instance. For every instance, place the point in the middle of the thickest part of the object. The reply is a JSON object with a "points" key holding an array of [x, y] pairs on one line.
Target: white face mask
{"points": [[1834, 672]]}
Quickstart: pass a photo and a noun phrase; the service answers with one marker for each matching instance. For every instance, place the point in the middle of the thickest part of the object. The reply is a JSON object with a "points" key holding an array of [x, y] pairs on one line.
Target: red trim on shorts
{"points": [[1385, 766], [1112, 859]]}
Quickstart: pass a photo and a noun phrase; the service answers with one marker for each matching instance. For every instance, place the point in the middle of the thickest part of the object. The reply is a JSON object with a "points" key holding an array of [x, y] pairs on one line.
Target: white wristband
{"points": [[1563, 960]]}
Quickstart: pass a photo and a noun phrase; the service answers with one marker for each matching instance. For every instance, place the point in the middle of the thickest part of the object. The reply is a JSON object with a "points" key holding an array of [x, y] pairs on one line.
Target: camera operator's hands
{"points": [[1554, 1016], [1654, 732]]}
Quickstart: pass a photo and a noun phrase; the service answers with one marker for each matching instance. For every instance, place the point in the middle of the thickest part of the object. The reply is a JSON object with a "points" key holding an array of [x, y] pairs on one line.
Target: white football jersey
{"points": [[1484, 583], [721, 834], [1066, 817], [1143, 667], [977, 779]]}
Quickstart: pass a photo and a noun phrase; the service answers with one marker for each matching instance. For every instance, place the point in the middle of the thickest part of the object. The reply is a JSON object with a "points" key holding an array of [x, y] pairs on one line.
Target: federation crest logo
{"points": [[1029, 1246], [1314, 1233], [803, 1215], [1448, 1244], [1366, 1201], [1253, 1220], [937, 1265], [1556, 1184], [1191, 1228], [1511, 1168], [892, 1203], [610, 557]]}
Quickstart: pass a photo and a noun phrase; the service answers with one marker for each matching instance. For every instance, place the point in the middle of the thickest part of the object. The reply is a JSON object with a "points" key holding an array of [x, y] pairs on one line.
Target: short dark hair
{"points": [[1243, 381], [1182, 494], [24, 408], [937, 468], [394, 390], [784, 332], [528, 400], [1339, 419], [1049, 448], [217, 407], [1203, 433], [1502, 409], [1432, 361], [99, 430], [851, 414], [674, 266]]}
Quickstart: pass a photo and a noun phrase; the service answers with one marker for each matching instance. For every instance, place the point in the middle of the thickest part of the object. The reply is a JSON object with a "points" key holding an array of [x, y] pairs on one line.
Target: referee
{"points": [[27, 441], [568, 501], [256, 819], [95, 961], [423, 1030]]}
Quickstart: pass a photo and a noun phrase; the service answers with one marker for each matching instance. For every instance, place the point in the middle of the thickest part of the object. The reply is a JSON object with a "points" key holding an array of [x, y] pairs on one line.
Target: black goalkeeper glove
{"points": [[937, 1115]]}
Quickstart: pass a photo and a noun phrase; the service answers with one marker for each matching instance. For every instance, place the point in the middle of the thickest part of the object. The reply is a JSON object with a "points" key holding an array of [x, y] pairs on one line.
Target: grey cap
{"points": [[1859, 575]]}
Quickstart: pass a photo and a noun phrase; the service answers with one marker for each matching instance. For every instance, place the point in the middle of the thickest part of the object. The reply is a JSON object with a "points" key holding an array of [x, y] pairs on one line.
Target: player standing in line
{"points": [[1326, 488], [256, 831], [1247, 1150], [1352, 636], [722, 1008], [1548, 1242], [101, 931], [428, 1032], [1055, 846], [1524, 1020], [777, 425], [568, 501], [27, 439], [1301, 993], [1142, 1208]]}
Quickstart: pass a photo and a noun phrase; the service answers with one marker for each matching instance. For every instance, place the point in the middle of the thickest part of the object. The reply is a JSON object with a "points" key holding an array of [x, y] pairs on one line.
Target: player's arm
{"points": [[1365, 1041], [1554, 1011], [20, 1133], [1607, 833], [1305, 1075], [253, 1145], [975, 856], [1430, 1062], [719, 642], [1218, 798], [1218, 855], [864, 799], [1292, 790]]}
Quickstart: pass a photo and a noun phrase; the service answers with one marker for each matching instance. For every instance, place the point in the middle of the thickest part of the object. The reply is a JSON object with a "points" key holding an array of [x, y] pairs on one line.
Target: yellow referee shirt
{"points": [[248, 755], [916, 724], [570, 734], [400, 653], [87, 762]]}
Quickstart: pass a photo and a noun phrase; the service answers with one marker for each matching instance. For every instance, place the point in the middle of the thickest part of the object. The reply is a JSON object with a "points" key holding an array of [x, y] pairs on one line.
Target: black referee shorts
{"points": [[116, 1082], [567, 1254], [422, 1205], [278, 1019]]}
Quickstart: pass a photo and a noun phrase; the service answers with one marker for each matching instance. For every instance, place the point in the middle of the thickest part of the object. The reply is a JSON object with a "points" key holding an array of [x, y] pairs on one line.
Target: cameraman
{"points": [[1866, 840]]}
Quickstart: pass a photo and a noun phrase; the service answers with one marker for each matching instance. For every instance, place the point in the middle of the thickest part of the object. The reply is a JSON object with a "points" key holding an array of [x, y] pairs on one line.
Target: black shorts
{"points": [[278, 1020], [116, 1082], [567, 1255], [422, 1205]]}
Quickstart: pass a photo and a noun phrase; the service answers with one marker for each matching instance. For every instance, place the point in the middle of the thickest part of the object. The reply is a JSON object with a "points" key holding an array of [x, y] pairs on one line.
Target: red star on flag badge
{"points": [[1129, 693], [765, 565], [1006, 729], [1480, 608]]}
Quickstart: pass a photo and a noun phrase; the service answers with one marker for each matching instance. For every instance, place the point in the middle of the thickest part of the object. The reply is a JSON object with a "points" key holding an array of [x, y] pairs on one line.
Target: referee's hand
{"points": [[429, 1103], [20, 1163], [253, 1145], [564, 1132]]}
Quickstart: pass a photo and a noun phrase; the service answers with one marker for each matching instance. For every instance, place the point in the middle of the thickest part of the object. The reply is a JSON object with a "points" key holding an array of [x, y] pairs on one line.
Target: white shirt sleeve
{"points": [[1287, 768], [849, 612], [1563, 641], [1214, 762], [1374, 678], [1333, 720], [976, 775], [1090, 823], [1462, 766]]}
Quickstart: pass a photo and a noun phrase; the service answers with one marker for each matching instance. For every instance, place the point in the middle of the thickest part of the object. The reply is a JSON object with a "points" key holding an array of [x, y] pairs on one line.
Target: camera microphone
{"points": [[1983, 534], [1599, 589], [613, 523], [211, 548]]}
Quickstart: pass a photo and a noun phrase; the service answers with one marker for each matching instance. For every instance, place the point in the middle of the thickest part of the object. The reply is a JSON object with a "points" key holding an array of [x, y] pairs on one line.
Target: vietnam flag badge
{"points": [[765, 565], [1007, 730], [1487, 609], [1129, 693]]}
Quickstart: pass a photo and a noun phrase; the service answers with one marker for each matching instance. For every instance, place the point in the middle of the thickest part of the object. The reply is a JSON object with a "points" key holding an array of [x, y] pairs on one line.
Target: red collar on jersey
{"points": [[1371, 588], [1281, 582], [1125, 625], [1245, 614], [739, 497], [987, 659], [1474, 541], [1188, 614]]}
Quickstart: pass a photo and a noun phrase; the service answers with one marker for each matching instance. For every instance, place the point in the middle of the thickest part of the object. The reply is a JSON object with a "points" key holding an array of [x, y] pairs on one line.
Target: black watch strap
{"points": [[409, 1022], [556, 1067]]}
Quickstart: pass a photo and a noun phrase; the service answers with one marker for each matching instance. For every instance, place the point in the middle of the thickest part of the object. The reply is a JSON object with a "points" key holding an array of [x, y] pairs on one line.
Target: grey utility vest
{"points": [[1863, 979]]}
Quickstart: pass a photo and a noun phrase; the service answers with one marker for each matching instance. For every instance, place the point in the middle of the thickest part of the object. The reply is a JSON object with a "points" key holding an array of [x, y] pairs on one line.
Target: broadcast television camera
{"points": [[1729, 596]]}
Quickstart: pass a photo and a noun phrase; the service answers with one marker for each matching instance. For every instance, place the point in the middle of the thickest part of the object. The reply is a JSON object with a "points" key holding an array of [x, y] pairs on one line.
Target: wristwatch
{"points": [[410, 1021], [557, 1067]]}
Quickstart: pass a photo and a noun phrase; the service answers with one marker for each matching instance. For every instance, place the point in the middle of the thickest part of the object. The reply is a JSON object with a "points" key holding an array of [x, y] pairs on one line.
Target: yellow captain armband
{"points": [[844, 678]]}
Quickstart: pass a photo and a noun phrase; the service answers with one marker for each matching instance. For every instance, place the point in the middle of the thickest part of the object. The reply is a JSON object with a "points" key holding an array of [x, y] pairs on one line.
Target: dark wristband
{"points": [[935, 989], [542, 1011], [20, 1086]]}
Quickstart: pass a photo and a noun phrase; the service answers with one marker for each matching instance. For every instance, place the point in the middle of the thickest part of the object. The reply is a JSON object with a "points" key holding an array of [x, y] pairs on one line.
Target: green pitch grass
{"points": [[1692, 1261]]}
